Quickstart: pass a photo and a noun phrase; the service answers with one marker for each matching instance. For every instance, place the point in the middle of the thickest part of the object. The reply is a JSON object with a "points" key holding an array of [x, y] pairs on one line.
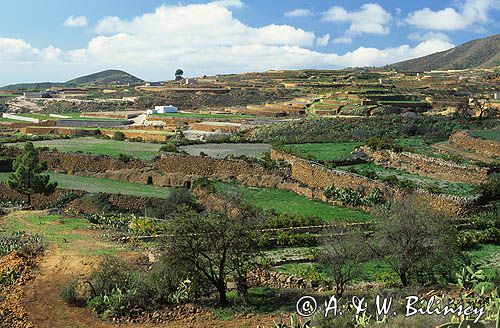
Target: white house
{"points": [[166, 109]]}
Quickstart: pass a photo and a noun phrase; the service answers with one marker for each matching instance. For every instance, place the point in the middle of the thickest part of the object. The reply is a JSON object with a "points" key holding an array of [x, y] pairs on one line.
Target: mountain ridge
{"points": [[479, 53], [110, 76]]}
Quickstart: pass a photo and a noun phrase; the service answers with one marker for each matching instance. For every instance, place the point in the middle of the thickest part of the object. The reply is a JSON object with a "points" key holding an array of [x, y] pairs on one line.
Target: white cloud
{"points": [[323, 41], [416, 36], [343, 39], [230, 3], [199, 38], [19, 51], [298, 13], [470, 13], [370, 19], [76, 21]]}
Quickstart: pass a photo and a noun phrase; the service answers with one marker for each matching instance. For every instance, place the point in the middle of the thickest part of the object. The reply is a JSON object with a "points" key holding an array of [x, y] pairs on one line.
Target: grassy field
{"points": [[449, 188], [96, 146], [96, 185], [323, 151], [491, 134], [287, 202], [222, 150], [72, 116], [203, 115]]}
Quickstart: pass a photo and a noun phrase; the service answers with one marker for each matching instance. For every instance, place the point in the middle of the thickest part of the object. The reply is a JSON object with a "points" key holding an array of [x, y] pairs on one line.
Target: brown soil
{"points": [[35, 300]]}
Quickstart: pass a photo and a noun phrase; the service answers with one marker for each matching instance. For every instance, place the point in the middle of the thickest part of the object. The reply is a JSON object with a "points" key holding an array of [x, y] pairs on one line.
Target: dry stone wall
{"points": [[462, 139], [317, 178], [427, 166]]}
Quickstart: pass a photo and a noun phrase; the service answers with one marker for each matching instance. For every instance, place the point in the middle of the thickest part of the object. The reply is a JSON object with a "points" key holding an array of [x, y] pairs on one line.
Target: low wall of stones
{"points": [[39, 130], [145, 136], [124, 203], [427, 166], [462, 139], [274, 279], [315, 178]]}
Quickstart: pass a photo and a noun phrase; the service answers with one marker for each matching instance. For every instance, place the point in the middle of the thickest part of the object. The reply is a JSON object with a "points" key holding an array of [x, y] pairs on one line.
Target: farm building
{"points": [[162, 110]]}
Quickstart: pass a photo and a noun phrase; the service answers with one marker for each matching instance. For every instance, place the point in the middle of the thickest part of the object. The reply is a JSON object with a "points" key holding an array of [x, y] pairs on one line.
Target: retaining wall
{"points": [[462, 139], [317, 178], [428, 166]]}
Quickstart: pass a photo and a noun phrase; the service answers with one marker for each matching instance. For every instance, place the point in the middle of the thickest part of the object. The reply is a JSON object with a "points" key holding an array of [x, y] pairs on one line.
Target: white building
{"points": [[166, 109], [162, 110]]}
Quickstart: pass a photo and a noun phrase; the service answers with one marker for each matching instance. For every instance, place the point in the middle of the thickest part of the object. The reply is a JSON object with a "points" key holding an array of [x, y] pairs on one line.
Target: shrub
{"points": [[490, 190], [25, 244], [169, 148], [64, 199], [124, 158], [118, 135]]}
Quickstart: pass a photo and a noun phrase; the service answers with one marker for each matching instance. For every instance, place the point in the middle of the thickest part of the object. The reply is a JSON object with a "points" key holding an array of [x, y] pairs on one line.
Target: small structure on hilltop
{"points": [[162, 110]]}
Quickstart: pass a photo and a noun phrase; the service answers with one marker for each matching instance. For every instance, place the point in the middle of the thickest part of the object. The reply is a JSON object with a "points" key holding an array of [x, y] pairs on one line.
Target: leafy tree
{"points": [[26, 178], [343, 256], [417, 242], [215, 246], [178, 74]]}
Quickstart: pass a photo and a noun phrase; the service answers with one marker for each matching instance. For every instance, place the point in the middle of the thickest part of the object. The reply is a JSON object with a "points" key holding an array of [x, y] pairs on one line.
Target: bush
{"points": [[490, 190], [118, 135], [25, 244], [124, 158], [64, 199], [169, 148]]}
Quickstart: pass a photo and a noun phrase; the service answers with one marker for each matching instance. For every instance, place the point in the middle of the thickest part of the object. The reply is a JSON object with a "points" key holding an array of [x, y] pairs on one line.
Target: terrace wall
{"points": [[317, 178], [120, 202], [462, 139], [428, 166]]}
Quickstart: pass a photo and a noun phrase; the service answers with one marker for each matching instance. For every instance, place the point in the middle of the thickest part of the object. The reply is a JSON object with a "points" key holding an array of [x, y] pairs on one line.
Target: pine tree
{"points": [[26, 178]]}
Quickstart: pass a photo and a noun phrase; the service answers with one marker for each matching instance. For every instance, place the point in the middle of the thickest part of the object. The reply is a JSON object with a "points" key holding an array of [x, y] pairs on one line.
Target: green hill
{"points": [[101, 78], [480, 53]]}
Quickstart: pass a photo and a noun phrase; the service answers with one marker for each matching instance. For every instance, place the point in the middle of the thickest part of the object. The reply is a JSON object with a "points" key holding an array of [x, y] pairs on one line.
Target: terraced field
{"points": [[109, 147], [445, 187], [323, 151], [97, 185], [287, 202], [222, 150]]}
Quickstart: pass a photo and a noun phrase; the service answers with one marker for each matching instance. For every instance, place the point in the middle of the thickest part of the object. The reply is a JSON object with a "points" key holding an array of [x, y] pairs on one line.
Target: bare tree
{"points": [[343, 256], [416, 241]]}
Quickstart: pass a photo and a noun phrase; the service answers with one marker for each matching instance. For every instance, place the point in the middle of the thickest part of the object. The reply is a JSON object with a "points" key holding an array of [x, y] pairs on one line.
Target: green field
{"points": [[71, 116], [449, 188], [323, 151], [97, 185], [203, 115], [491, 134], [143, 150], [287, 202], [221, 150]]}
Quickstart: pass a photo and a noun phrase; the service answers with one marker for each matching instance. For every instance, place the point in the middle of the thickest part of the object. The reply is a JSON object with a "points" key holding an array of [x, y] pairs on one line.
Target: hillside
{"points": [[105, 77], [100, 78], [480, 53]]}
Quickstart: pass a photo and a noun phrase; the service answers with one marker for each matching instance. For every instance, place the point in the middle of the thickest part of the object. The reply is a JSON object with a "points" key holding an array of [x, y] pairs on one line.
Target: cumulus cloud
{"points": [[17, 50], [76, 21], [416, 36], [343, 39], [469, 13], [199, 38], [370, 19], [298, 13], [323, 41]]}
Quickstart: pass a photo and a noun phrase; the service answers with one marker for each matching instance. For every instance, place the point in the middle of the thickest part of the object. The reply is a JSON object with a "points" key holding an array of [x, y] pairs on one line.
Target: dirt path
{"points": [[447, 147], [62, 262]]}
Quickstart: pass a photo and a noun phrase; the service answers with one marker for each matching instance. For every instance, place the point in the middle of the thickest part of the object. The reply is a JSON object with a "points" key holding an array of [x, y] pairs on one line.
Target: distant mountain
{"points": [[111, 76], [480, 53]]}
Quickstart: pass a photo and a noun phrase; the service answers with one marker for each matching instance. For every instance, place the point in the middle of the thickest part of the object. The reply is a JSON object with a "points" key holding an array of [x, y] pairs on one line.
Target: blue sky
{"points": [[55, 40]]}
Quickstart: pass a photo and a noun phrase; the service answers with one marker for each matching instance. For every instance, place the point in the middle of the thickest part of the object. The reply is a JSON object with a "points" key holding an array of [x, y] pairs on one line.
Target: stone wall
{"points": [[275, 279], [41, 130], [427, 166], [463, 140], [316, 178], [120, 202]]}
